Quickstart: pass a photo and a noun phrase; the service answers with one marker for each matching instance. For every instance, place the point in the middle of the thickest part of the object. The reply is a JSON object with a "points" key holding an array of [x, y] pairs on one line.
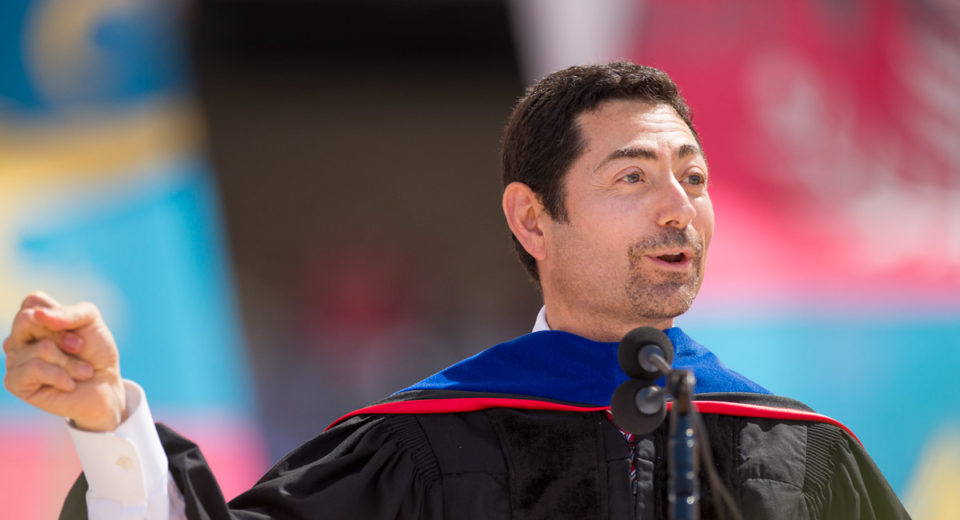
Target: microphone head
{"points": [[637, 346], [638, 406]]}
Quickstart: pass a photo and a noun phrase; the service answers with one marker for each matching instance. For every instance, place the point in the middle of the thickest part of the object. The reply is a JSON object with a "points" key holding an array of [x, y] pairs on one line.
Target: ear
{"points": [[522, 208]]}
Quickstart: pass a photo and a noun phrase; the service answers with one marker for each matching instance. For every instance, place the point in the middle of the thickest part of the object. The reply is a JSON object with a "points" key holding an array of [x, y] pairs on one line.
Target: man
{"points": [[606, 193]]}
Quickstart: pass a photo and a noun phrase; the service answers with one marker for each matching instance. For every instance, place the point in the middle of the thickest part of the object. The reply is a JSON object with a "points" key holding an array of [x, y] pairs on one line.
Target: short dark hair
{"points": [[542, 138]]}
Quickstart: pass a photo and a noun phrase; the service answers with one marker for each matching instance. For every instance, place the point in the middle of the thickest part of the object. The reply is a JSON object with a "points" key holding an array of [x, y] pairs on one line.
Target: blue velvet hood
{"points": [[566, 367]]}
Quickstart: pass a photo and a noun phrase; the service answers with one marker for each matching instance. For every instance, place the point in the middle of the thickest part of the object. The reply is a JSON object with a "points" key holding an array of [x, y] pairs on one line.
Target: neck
{"points": [[598, 326]]}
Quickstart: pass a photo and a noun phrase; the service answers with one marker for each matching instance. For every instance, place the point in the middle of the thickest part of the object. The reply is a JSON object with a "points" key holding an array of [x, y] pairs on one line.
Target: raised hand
{"points": [[63, 359]]}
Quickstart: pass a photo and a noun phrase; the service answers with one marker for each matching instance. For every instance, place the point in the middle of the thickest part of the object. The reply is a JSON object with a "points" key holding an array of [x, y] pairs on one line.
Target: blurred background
{"points": [[288, 209]]}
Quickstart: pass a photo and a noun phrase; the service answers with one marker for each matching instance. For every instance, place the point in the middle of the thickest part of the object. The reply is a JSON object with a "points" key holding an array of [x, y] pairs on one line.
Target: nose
{"points": [[675, 208]]}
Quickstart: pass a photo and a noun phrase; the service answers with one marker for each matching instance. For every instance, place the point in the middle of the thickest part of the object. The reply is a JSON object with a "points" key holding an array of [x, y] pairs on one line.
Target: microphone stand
{"points": [[638, 406], [683, 491]]}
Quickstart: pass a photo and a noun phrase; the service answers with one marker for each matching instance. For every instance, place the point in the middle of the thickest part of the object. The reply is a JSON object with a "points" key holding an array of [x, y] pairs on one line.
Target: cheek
{"points": [[589, 246], [704, 221], [599, 221]]}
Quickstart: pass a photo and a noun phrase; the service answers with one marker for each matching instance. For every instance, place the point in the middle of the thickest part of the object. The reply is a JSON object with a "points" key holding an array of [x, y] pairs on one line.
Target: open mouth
{"points": [[673, 258]]}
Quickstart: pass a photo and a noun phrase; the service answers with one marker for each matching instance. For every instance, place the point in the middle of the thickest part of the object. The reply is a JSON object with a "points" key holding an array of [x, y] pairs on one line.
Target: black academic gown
{"points": [[447, 449]]}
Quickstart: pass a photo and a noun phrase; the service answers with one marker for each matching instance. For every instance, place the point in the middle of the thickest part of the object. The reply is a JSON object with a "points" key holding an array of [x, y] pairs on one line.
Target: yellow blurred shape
{"points": [[63, 59], [59, 44], [934, 491], [98, 144]]}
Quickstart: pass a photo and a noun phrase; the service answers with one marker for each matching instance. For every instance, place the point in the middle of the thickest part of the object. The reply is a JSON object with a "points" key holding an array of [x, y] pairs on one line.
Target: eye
{"points": [[632, 178], [697, 179]]}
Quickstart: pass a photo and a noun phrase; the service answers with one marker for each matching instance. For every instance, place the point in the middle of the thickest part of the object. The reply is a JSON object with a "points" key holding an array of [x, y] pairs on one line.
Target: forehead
{"points": [[620, 123]]}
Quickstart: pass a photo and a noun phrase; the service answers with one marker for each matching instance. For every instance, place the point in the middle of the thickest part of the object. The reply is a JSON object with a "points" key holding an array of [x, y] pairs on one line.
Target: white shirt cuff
{"points": [[126, 469]]}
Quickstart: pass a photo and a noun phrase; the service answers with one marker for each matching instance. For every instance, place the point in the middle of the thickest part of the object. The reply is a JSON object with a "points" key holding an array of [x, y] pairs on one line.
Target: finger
{"points": [[71, 343], [38, 299], [31, 376], [44, 350], [69, 317], [48, 351], [78, 370], [26, 328]]}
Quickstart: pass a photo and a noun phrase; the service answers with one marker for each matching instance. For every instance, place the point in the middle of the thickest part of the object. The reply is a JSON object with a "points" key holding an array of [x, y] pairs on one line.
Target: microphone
{"points": [[638, 405], [645, 353]]}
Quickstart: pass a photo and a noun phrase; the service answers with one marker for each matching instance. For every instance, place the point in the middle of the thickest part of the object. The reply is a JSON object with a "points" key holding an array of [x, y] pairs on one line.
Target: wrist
{"points": [[115, 412], [104, 425]]}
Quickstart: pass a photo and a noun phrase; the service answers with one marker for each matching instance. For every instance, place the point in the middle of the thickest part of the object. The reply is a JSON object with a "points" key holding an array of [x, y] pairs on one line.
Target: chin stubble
{"points": [[664, 295]]}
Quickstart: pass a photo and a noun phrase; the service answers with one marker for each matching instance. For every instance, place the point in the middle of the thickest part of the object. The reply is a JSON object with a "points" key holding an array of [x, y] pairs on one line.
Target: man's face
{"points": [[639, 221]]}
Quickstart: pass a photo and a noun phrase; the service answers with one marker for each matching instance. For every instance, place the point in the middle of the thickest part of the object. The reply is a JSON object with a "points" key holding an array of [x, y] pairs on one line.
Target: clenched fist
{"points": [[62, 359]]}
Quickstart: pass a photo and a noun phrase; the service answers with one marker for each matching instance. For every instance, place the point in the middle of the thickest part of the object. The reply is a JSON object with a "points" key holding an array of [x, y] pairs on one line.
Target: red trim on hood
{"points": [[766, 412], [472, 404], [465, 404]]}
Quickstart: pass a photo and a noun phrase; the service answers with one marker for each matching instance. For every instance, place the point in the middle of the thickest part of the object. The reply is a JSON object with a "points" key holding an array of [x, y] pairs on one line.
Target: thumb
{"points": [[70, 317]]}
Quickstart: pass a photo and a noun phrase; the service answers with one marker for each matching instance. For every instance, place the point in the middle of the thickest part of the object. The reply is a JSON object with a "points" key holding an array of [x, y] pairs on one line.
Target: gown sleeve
{"points": [[377, 467], [857, 488]]}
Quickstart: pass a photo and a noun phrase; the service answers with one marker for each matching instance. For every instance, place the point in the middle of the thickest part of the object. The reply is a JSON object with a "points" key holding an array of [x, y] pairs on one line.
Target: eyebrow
{"points": [[685, 151]]}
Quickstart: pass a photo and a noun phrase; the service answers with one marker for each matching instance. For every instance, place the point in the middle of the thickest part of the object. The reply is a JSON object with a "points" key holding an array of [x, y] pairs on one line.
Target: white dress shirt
{"points": [[126, 469]]}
